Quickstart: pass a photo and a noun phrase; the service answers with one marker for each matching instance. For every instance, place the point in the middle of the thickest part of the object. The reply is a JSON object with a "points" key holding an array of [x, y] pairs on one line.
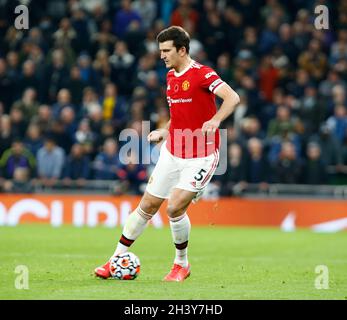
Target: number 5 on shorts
{"points": [[199, 176]]}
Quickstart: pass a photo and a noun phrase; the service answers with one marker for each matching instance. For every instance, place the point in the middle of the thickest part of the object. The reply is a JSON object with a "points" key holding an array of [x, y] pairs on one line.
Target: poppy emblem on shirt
{"points": [[185, 85], [176, 87]]}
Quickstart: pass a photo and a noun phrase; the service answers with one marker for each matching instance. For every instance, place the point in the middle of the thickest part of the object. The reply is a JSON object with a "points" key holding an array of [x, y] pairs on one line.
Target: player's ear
{"points": [[182, 51]]}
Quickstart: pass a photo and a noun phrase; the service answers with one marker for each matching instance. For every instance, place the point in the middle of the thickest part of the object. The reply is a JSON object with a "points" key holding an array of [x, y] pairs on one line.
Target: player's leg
{"points": [[180, 229], [133, 228], [194, 176], [137, 221], [163, 178]]}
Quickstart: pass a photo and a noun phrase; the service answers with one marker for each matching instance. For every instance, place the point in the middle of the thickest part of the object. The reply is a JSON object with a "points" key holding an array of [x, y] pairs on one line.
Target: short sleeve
{"points": [[210, 79]]}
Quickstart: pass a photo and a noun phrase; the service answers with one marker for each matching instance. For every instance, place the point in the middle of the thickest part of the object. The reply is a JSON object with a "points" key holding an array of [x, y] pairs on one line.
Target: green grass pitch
{"points": [[227, 263]]}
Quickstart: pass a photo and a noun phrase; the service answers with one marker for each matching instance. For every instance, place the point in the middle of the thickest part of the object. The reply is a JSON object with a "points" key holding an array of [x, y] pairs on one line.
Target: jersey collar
{"points": [[178, 74]]}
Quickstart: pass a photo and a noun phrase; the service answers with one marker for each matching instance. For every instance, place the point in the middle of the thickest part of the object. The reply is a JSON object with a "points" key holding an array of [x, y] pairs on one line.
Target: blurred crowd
{"points": [[85, 70]]}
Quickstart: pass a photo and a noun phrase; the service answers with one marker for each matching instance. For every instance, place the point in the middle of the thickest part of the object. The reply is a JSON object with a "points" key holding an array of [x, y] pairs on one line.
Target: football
{"points": [[125, 266]]}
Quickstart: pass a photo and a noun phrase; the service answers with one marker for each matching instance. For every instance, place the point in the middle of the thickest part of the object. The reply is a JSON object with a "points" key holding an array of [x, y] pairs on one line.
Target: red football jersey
{"points": [[191, 98]]}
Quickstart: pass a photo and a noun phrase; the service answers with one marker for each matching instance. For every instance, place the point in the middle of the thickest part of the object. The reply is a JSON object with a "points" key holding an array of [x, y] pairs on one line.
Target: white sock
{"points": [[180, 229], [133, 228]]}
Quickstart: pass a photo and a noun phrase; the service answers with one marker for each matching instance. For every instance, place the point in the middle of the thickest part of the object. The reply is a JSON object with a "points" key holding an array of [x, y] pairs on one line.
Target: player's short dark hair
{"points": [[178, 35]]}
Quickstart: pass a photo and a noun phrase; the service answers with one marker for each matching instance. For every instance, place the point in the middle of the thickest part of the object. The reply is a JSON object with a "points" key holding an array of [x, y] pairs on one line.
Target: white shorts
{"points": [[188, 174]]}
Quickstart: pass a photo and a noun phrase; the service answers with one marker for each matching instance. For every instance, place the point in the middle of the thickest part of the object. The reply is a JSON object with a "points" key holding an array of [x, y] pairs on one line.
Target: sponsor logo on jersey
{"points": [[185, 85], [207, 75], [180, 100]]}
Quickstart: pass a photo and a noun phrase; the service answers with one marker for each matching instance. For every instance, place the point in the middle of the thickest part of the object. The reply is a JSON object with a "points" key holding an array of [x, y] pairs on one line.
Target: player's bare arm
{"points": [[230, 100], [159, 134]]}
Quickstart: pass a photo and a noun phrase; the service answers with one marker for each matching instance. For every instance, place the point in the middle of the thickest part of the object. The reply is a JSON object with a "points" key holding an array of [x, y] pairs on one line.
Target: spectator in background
{"points": [[82, 27], [43, 118], [268, 77], [234, 180], [7, 88], [329, 145], [76, 86], [133, 176], [20, 183], [107, 132], [249, 41], [313, 60], [18, 122], [258, 170], [16, 157], [104, 39], [113, 106], [283, 123], [211, 31], [77, 167], [50, 162], [269, 35], [338, 122], [56, 75], [13, 66], [65, 35], [28, 78], [311, 110], [339, 97], [28, 104], [251, 128], [241, 112], [38, 57], [123, 18], [63, 100], [287, 43], [288, 168], [134, 37], [122, 63], [299, 84], [184, 12], [223, 67], [147, 10], [90, 102], [69, 121], [107, 164], [102, 66], [60, 135], [33, 140], [88, 75], [6, 134], [314, 169], [326, 86], [85, 136]]}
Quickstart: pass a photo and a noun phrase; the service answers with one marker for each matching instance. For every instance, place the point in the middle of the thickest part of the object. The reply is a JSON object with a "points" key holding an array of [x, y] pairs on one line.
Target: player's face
{"points": [[169, 54]]}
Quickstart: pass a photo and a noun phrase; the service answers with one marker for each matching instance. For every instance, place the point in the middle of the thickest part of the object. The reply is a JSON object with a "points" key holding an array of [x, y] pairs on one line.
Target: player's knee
{"points": [[149, 206], [174, 211]]}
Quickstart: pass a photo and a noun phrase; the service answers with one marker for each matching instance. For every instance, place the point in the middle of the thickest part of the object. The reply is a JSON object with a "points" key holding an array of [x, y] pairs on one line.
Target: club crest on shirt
{"points": [[185, 85]]}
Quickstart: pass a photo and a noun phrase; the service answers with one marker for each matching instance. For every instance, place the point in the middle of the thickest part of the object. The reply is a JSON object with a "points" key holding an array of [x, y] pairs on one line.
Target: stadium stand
{"points": [[86, 70]]}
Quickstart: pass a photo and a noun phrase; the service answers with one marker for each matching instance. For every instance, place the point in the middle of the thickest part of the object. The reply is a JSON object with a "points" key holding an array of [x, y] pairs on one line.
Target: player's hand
{"points": [[157, 135], [210, 127]]}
